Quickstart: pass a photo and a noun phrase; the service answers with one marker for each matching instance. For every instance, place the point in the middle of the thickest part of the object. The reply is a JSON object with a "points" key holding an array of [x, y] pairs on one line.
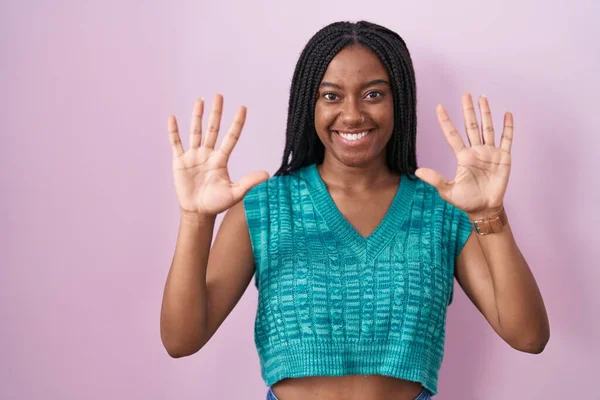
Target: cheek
{"points": [[386, 117], [324, 117]]}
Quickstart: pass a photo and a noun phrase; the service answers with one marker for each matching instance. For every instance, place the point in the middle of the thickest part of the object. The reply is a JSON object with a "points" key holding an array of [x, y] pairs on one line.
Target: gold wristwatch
{"points": [[485, 226]]}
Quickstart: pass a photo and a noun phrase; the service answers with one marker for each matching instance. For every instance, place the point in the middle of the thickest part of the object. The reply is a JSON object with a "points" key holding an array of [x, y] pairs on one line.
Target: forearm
{"points": [[521, 312], [183, 313]]}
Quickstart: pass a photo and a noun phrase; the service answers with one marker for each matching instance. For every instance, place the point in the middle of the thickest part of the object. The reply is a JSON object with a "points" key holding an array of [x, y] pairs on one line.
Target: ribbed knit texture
{"points": [[332, 302]]}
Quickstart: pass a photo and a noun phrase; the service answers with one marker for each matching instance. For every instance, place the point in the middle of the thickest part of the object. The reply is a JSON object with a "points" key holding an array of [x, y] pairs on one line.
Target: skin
{"points": [[204, 284]]}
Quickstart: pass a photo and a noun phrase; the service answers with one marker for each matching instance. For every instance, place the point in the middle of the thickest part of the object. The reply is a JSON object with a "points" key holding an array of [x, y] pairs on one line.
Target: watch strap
{"points": [[488, 225]]}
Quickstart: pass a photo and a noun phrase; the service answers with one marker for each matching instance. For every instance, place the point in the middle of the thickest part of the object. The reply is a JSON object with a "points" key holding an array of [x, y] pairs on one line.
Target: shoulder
{"points": [[454, 223], [429, 197], [422, 186], [276, 184]]}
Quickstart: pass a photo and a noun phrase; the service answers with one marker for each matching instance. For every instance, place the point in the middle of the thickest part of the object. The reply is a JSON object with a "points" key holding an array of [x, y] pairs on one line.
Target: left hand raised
{"points": [[482, 170]]}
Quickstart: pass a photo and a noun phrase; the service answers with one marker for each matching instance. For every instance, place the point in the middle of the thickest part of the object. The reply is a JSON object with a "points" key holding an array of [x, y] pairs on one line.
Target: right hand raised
{"points": [[201, 178]]}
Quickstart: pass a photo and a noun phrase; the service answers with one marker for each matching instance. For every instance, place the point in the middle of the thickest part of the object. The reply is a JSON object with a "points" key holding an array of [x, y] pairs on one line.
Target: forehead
{"points": [[355, 64]]}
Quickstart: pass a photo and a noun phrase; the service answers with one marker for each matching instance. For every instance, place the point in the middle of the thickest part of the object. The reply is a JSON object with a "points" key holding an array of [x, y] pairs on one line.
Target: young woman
{"points": [[353, 247]]}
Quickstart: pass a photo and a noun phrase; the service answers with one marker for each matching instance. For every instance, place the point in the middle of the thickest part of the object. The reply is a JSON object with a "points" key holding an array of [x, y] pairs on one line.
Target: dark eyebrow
{"points": [[371, 83]]}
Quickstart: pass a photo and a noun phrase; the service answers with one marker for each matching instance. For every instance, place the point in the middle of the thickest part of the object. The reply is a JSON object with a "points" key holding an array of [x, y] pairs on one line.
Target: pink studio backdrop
{"points": [[89, 215]]}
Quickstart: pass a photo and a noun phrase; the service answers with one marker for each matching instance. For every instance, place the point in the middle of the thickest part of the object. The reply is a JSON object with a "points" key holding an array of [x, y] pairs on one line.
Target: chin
{"points": [[355, 159]]}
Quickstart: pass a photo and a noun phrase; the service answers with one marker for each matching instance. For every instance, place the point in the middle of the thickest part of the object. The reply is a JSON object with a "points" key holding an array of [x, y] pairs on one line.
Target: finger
{"points": [[248, 182], [196, 125], [435, 179], [452, 135], [214, 122], [470, 120], [234, 132], [486, 121], [174, 138], [507, 133]]}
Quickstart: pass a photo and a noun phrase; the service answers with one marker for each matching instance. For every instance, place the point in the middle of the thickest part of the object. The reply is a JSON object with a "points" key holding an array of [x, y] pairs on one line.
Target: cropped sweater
{"points": [[332, 302]]}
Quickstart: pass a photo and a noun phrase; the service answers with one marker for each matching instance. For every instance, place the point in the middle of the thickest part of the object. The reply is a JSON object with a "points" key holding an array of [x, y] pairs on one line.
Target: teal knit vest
{"points": [[331, 302]]}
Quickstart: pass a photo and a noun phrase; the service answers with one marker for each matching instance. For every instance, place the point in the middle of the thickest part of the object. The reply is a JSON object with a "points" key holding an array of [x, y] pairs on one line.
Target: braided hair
{"points": [[302, 146]]}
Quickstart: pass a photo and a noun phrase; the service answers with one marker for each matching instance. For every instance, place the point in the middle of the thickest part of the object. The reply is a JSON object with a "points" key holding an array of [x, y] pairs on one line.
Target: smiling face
{"points": [[354, 112]]}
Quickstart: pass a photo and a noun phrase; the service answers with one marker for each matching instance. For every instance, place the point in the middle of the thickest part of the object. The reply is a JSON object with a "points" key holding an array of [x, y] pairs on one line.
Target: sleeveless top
{"points": [[331, 302]]}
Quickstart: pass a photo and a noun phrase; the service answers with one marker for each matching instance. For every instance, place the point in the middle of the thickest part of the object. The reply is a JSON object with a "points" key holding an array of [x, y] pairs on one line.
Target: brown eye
{"points": [[374, 95], [330, 96]]}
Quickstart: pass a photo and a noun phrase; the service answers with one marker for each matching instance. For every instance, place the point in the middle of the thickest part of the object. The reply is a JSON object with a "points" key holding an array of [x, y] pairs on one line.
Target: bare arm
{"points": [[183, 312], [203, 287], [230, 269], [495, 276]]}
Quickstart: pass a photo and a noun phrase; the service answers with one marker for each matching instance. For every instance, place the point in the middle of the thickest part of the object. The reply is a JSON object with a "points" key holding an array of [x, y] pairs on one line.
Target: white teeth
{"points": [[353, 136]]}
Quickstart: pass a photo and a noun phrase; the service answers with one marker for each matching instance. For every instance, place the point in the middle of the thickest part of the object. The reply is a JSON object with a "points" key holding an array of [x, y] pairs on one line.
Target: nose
{"points": [[351, 113]]}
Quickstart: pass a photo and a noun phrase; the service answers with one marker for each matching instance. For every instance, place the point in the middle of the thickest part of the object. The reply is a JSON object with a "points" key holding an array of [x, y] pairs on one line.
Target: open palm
{"points": [[200, 174], [483, 169]]}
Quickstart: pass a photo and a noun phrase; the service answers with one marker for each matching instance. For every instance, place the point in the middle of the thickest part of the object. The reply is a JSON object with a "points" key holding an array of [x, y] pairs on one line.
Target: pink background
{"points": [[89, 215]]}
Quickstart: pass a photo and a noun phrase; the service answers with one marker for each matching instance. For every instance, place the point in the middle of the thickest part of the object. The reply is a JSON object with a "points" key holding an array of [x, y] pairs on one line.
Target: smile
{"points": [[353, 137]]}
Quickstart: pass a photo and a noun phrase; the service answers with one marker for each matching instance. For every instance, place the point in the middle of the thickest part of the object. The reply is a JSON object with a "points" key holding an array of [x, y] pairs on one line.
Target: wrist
{"points": [[489, 221], [486, 213], [196, 217]]}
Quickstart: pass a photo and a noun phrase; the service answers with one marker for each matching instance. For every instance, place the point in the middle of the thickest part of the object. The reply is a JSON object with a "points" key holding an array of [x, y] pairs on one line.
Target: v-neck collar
{"points": [[362, 246]]}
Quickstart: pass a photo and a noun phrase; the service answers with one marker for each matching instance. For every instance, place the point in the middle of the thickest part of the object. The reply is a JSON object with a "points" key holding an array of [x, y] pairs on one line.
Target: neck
{"points": [[365, 177]]}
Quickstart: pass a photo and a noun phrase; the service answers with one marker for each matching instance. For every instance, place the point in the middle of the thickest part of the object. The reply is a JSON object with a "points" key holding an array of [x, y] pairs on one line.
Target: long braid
{"points": [[303, 146]]}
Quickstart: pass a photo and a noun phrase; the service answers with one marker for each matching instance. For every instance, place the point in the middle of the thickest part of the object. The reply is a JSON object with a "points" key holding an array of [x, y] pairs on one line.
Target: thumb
{"points": [[434, 178], [248, 182]]}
